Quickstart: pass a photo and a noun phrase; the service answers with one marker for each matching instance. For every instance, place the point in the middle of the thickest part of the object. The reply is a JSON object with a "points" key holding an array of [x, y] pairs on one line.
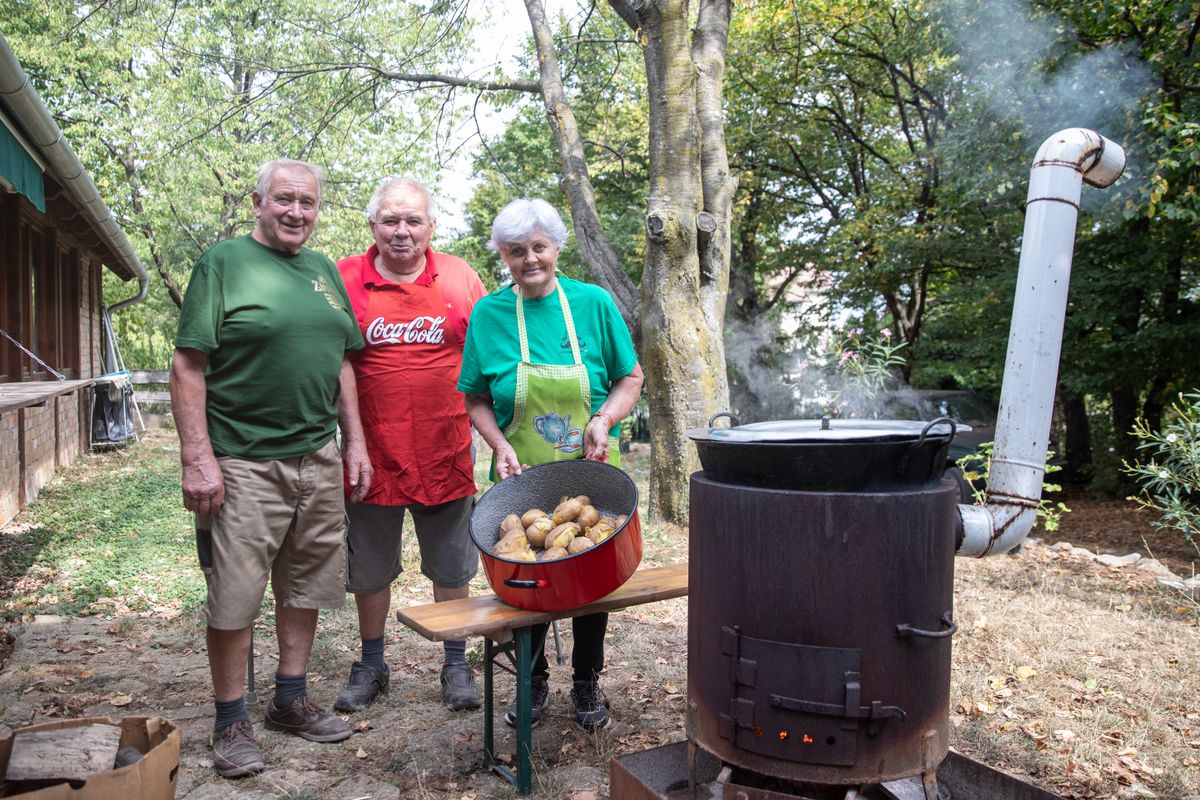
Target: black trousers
{"points": [[587, 656]]}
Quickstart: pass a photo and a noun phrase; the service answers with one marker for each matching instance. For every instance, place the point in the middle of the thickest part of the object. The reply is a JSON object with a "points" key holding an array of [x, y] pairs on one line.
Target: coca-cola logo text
{"points": [[422, 330]]}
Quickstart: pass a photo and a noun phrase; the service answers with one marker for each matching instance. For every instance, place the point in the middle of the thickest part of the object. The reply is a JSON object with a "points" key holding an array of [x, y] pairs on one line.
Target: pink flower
{"points": [[886, 333]]}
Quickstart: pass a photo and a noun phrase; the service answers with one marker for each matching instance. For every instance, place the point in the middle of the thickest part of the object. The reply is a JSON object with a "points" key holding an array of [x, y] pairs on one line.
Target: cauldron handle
{"points": [[733, 423], [925, 430]]}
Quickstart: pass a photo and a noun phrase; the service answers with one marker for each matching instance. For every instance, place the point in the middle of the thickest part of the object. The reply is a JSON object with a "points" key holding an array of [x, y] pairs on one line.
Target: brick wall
{"points": [[10, 467], [34, 441], [68, 446], [39, 448]]}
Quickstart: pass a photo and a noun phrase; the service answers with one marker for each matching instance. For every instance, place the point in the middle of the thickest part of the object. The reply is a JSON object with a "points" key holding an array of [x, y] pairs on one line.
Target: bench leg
{"points": [[522, 644], [524, 713], [489, 744]]}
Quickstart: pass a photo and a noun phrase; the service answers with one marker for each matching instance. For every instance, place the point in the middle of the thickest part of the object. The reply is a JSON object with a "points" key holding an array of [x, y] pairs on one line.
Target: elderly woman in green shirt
{"points": [[549, 371]]}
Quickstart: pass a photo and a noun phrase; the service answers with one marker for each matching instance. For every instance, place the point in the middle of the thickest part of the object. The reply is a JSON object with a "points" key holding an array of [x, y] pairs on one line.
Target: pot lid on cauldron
{"points": [[826, 454], [825, 430]]}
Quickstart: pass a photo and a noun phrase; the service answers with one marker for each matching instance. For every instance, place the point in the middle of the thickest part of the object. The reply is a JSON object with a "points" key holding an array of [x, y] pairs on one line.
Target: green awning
{"points": [[19, 169]]}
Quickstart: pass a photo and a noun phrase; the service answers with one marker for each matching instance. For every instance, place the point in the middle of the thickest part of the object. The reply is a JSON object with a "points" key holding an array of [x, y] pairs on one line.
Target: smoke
{"points": [[774, 375], [1028, 75]]}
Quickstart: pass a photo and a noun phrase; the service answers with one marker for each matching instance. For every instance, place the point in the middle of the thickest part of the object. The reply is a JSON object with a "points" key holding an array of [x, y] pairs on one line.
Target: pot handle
{"points": [[947, 620], [938, 421], [733, 423], [516, 583]]}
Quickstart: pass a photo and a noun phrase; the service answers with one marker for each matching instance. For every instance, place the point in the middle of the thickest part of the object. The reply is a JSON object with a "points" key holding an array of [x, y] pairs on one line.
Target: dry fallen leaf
{"points": [[671, 688], [121, 699], [361, 753], [1025, 671], [583, 794], [1064, 735]]}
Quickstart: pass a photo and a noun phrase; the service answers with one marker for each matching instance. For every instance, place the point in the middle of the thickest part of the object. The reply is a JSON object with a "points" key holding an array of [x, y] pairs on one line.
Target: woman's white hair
{"points": [[390, 186], [267, 171], [520, 219]]}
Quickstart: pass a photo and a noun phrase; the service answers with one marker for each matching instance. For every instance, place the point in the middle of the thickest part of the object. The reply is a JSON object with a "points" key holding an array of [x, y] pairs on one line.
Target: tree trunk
{"points": [[687, 252], [598, 254], [1078, 444]]}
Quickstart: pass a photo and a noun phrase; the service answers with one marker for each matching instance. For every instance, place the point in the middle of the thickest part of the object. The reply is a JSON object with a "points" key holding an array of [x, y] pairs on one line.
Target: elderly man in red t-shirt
{"points": [[412, 306]]}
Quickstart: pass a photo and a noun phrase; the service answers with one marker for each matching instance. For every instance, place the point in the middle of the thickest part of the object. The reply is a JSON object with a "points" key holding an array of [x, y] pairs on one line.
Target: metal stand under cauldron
{"points": [[821, 564]]}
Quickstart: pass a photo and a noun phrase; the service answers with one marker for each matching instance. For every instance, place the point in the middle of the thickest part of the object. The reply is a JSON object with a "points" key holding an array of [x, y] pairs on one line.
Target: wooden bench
{"points": [[506, 631]]}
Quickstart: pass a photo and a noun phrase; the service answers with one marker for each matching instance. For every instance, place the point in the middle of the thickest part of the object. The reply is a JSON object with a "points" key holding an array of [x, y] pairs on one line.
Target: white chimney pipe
{"points": [[1063, 163]]}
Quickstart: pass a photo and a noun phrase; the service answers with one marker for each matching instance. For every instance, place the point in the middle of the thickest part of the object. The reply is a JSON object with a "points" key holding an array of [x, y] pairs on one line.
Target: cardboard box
{"points": [[151, 778]]}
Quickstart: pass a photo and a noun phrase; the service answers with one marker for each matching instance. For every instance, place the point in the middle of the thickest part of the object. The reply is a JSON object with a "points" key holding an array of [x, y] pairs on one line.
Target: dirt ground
{"points": [[1120, 527], [1077, 676]]}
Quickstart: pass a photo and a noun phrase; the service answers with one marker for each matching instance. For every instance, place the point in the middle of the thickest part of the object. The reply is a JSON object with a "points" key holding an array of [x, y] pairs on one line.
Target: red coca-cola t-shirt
{"points": [[418, 435]]}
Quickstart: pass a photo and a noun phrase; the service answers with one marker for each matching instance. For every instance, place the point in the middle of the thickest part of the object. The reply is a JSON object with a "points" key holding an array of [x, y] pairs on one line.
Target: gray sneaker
{"points": [[235, 751], [458, 687], [591, 708], [539, 702], [307, 720], [365, 683]]}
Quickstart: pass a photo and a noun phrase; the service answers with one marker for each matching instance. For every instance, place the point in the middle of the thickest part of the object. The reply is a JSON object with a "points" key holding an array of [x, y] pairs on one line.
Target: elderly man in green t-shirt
{"points": [[258, 381]]}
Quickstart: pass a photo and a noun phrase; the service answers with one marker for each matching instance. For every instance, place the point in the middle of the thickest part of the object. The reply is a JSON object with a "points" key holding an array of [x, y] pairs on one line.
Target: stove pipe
{"points": [[1064, 162]]}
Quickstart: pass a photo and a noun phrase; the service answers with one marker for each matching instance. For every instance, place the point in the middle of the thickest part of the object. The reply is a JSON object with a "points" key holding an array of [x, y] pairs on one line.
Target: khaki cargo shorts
{"points": [[282, 519]]}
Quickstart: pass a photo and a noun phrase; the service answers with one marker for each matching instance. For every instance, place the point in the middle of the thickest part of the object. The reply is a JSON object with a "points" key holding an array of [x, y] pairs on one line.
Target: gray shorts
{"points": [[374, 537]]}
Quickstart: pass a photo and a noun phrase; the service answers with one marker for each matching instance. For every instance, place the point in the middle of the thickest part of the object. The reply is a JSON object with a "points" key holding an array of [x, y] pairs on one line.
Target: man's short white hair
{"points": [[520, 219], [388, 187], [267, 171]]}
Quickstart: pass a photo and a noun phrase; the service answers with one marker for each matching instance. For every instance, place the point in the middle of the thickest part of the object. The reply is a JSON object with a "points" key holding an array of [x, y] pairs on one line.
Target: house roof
{"points": [[68, 194]]}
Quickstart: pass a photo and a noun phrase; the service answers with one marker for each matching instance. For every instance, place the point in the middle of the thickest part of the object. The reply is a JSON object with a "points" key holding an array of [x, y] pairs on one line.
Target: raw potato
{"points": [[538, 530], [511, 524], [588, 517], [553, 553], [579, 544], [563, 534], [510, 544], [567, 511], [531, 516]]}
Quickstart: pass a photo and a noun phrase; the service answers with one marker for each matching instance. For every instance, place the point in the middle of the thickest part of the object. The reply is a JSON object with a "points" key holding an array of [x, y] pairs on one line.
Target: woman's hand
{"points": [[507, 462], [595, 438]]}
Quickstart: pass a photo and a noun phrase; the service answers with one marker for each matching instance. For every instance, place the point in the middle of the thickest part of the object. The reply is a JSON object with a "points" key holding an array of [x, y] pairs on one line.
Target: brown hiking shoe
{"points": [[235, 751], [307, 720]]}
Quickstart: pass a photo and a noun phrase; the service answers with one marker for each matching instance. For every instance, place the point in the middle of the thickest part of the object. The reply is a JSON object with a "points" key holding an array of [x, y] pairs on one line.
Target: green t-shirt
{"points": [[493, 348], [276, 328]]}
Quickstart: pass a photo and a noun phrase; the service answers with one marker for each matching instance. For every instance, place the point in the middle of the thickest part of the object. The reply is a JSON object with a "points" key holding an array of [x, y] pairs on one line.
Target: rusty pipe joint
{"points": [[1063, 164]]}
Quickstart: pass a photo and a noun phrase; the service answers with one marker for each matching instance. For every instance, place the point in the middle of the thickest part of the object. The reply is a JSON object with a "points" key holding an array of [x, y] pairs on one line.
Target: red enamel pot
{"points": [[575, 580]]}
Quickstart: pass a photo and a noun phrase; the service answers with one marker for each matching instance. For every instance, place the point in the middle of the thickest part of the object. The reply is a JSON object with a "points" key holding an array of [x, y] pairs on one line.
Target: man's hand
{"points": [[203, 485], [358, 470]]}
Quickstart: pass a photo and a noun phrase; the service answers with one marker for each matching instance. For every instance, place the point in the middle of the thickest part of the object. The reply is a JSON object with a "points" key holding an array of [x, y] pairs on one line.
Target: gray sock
{"points": [[372, 653], [456, 651], [288, 688], [229, 712]]}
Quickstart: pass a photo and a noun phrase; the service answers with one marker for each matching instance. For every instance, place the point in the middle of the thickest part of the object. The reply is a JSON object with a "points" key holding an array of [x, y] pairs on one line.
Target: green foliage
{"points": [[107, 535], [867, 367], [1168, 472], [978, 465], [604, 78], [172, 107]]}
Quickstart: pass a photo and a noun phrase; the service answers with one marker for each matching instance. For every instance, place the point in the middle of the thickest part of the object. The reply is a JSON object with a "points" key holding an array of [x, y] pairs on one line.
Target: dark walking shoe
{"points": [[458, 687], [539, 702], [235, 751], [591, 709], [308, 721], [365, 683]]}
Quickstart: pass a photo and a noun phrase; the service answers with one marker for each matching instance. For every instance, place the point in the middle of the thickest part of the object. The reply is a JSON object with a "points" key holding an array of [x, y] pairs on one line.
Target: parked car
{"points": [[966, 407]]}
